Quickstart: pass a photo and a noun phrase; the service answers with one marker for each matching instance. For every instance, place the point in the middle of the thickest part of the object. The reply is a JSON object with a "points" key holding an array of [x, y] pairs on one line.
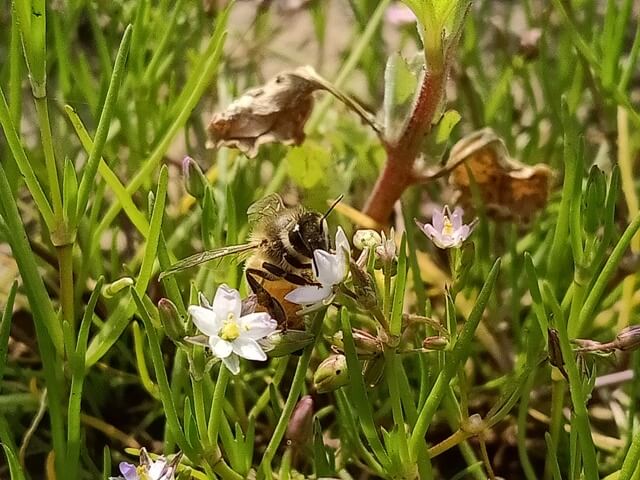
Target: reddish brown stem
{"points": [[397, 174]]}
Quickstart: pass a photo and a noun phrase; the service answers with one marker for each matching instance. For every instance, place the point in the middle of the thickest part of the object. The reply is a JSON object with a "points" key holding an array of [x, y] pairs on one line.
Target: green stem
{"points": [[393, 373], [198, 407], [292, 399], [65, 266], [578, 395], [557, 404], [459, 353], [217, 404]]}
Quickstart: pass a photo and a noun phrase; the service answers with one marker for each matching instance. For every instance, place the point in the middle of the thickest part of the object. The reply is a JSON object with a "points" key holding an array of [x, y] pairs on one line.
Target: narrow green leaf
{"points": [[358, 394], [400, 285], [69, 193], [5, 327], [14, 466], [89, 173], [24, 165]]}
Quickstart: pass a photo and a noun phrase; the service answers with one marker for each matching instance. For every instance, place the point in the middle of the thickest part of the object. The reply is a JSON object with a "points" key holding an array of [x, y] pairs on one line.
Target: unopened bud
{"points": [[282, 343], [474, 425], [386, 251], [195, 182], [366, 239], [112, 289], [367, 345], [300, 428], [436, 342], [629, 338], [171, 321], [331, 374]]}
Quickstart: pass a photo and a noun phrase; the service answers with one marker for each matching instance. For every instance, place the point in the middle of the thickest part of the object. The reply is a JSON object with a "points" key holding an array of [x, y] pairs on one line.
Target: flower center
{"points": [[230, 329], [447, 227]]}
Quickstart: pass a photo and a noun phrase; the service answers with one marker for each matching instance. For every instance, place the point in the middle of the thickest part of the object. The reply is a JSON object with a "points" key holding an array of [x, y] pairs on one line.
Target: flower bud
{"points": [[195, 182], [386, 251], [171, 321], [300, 428], [366, 239], [331, 374], [367, 345], [436, 342], [473, 425], [282, 343], [629, 338], [112, 289]]}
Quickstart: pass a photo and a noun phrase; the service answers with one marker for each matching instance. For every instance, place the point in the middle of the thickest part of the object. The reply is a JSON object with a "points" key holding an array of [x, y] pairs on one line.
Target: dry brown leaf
{"points": [[509, 189], [275, 112]]}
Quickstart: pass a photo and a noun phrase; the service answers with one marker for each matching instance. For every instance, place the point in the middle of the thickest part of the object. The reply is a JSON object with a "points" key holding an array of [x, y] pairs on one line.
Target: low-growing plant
{"points": [[433, 277]]}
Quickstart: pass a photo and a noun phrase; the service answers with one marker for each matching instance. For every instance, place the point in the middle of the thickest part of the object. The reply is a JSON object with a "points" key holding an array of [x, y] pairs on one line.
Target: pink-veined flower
{"points": [[447, 229]]}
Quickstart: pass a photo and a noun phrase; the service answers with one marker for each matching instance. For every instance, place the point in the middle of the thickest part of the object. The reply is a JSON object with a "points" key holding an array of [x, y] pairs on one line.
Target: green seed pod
{"points": [[195, 182], [283, 343], [171, 321], [367, 345], [331, 374], [436, 342]]}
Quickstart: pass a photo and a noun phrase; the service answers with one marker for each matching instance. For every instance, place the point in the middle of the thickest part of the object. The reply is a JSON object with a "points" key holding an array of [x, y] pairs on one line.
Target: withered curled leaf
{"points": [[275, 112], [509, 188]]}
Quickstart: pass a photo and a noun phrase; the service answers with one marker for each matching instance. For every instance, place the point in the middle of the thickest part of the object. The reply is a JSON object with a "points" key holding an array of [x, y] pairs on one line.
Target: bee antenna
{"points": [[333, 205]]}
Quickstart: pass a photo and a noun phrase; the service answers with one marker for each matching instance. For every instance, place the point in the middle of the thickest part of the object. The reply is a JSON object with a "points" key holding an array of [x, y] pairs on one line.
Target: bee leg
{"points": [[288, 276], [264, 298]]}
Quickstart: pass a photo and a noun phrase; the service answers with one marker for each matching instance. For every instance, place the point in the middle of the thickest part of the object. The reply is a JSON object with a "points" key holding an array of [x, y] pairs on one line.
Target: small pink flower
{"points": [[446, 229], [399, 14]]}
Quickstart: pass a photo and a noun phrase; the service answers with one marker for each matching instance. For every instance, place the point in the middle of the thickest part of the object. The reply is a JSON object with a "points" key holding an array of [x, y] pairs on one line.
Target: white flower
{"points": [[446, 229], [330, 269], [230, 333], [159, 469]]}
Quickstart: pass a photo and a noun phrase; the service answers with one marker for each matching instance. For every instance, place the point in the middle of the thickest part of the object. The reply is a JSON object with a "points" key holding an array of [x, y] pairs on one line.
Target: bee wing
{"points": [[265, 207], [207, 256]]}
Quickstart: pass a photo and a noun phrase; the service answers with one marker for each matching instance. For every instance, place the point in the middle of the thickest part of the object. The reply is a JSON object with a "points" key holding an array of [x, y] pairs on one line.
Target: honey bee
{"points": [[281, 246]]}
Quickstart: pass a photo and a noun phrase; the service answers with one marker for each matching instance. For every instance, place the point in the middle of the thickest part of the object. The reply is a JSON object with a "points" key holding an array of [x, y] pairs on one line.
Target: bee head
{"points": [[310, 233]]}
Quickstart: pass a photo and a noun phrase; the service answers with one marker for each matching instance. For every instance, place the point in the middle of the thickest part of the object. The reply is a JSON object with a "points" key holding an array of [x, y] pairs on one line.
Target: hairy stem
{"points": [[397, 174]]}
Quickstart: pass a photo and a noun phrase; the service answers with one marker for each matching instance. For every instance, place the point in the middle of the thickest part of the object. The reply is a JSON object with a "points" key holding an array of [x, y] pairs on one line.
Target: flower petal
{"points": [[342, 243], [129, 471], [437, 219], [329, 267], [456, 218], [248, 348], [257, 325], [308, 294], [220, 348], [157, 469], [226, 301], [232, 362], [206, 320]]}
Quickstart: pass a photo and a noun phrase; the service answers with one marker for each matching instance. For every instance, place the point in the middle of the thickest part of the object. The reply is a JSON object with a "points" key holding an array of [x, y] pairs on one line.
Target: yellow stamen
{"points": [[230, 329], [447, 228]]}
